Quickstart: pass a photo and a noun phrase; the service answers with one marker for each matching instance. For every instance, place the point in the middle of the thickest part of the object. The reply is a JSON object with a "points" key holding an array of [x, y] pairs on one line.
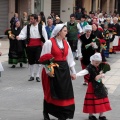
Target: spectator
{"points": [[43, 17], [13, 19], [49, 27], [24, 20], [57, 21], [79, 14]]}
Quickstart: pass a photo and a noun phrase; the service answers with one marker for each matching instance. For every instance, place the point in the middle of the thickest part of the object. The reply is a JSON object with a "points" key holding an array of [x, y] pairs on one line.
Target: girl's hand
{"points": [[100, 76]]}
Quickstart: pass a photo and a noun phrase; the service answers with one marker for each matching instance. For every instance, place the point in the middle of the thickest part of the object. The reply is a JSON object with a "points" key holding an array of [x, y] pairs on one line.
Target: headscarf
{"points": [[88, 27], [57, 29], [96, 57]]}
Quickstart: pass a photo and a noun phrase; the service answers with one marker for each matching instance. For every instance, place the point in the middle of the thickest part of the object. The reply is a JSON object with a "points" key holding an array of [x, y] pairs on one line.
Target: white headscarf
{"points": [[96, 57], [88, 27], [57, 29]]}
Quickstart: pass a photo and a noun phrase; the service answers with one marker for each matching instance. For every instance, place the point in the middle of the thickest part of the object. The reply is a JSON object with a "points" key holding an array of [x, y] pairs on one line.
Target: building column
{"points": [[32, 6], [97, 4], [11, 10], [108, 6]]}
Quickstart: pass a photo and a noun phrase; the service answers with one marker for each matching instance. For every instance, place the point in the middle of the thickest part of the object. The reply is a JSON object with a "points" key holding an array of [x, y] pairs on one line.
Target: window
{"points": [[37, 6]]}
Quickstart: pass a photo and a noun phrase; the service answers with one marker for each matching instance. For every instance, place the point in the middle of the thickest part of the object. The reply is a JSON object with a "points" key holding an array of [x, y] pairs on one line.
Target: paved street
{"points": [[22, 100]]}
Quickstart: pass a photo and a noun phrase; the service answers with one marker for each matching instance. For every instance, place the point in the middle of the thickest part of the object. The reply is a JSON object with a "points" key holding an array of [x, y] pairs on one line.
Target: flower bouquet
{"points": [[104, 68], [48, 61], [95, 41]]}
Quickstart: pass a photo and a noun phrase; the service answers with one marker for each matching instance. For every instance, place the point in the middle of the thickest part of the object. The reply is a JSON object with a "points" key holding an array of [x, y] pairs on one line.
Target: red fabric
{"points": [[116, 48], [58, 54], [102, 41], [94, 105], [86, 77], [100, 29], [47, 94], [35, 42]]}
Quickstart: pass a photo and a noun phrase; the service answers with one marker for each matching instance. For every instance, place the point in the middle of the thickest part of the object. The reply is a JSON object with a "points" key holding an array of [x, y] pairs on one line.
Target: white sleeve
{"points": [[23, 33], [79, 28], [46, 49], [79, 49], [66, 23], [82, 73], [44, 33], [70, 58], [73, 70]]}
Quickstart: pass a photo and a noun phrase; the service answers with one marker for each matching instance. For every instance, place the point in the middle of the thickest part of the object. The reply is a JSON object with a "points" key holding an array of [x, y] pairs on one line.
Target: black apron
{"points": [[61, 84]]}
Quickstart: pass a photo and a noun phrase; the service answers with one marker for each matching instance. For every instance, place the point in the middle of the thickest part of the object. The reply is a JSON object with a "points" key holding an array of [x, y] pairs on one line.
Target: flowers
{"points": [[48, 60], [95, 43], [104, 67]]}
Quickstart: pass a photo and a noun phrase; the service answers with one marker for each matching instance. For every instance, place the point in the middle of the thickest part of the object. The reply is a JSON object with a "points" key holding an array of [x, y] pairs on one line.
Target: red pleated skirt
{"points": [[116, 48], [93, 104]]}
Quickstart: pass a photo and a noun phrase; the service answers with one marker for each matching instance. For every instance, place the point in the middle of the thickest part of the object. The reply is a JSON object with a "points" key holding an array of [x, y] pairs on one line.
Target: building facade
{"points": [[62, 7]]}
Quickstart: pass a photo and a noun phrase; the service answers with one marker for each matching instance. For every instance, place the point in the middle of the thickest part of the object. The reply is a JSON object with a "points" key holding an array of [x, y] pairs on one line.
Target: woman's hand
{"points": [[73, 76], [49, 74]]}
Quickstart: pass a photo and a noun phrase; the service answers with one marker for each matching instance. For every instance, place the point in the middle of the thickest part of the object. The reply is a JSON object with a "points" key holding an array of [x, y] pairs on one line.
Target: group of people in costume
{"points": [[56, 48]]}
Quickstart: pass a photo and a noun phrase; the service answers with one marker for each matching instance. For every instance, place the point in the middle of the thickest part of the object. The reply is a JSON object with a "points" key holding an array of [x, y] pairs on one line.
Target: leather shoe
{"points": [[37, 79], [13, 66], [21, 65], [46, 116], [31, 79]]}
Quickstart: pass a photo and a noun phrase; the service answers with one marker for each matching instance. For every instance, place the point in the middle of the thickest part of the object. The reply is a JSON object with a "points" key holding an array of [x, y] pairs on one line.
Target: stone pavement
{"points": [[22, 100]]}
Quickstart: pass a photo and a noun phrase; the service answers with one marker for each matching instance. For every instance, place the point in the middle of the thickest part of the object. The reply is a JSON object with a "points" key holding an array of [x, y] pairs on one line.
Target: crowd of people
{"points": [[55, 46]]}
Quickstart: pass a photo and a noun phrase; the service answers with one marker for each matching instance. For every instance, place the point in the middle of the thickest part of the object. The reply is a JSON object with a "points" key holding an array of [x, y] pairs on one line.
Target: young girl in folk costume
{"points": [[96, 100]]}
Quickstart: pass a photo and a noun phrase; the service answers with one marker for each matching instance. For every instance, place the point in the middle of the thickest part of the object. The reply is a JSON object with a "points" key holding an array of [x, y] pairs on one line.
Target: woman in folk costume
{"points": [[112, 34], [96, 100], [58, 90], [17, 52], [97, 31], [86, 53], [116, 42]]}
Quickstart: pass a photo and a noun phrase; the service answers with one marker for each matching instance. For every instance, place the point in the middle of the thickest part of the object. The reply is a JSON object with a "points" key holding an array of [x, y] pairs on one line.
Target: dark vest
{"points": [[72, 31], [40, 31]]}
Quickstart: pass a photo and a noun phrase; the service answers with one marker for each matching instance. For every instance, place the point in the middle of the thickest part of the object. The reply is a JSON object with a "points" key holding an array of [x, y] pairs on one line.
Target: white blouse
{"points": [[34, 32], [47, 49]]}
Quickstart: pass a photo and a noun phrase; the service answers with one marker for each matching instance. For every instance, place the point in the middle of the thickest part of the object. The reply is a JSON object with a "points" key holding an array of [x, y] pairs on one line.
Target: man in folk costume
{"points": [[86, 53], [57, 86], [72, 36], [35, 34], [115, 24]]}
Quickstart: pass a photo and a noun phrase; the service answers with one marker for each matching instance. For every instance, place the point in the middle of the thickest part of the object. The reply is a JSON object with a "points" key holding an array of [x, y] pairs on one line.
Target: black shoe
{"points": [[85, 83], [102, 118], [61, 119], [76, 58], [46, 116], [21, 65], [13, 66], [92, 117], [31, 79], [37, 79]]}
